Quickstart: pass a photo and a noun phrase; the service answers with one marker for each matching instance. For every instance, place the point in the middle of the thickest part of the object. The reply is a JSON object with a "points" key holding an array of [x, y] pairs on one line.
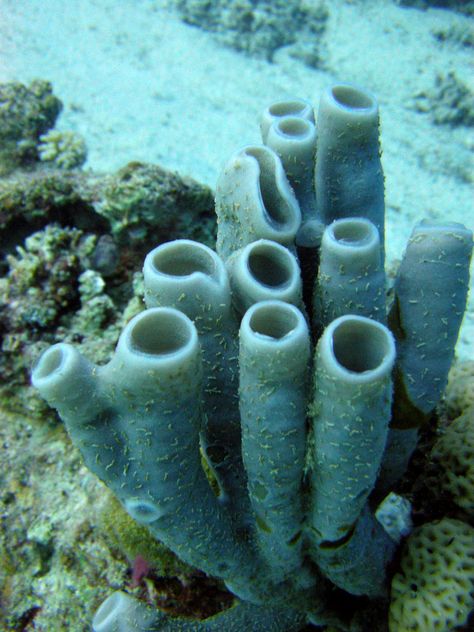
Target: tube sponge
{"points": [[254, 200], [147, 399], [274, 375], [264, 270], [281, 109], [354, 356], [351, 278], [293, 138], [349, 176], [434, 589], [430, 299]]}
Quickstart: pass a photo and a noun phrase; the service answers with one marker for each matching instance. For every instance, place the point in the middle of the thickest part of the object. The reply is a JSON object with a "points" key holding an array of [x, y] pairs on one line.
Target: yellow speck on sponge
{"points": [[453, 453], [434, 588]]}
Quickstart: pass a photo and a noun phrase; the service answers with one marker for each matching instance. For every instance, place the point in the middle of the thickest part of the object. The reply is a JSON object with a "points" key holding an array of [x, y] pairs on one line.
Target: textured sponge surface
{"points": [[434, 588]]}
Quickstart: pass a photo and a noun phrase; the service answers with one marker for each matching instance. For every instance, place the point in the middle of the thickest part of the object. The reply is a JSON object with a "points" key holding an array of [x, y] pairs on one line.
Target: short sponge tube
{"points": [[156, 347], [189, 276], [154, 382], [263, 270], [351, 278], [350, 414], [294, 140], [277, 110], [66, 380], [254, 200]]}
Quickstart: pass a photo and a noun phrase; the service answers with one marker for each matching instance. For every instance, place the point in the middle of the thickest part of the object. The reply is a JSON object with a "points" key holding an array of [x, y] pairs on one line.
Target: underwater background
{"points": [[179, 84]]}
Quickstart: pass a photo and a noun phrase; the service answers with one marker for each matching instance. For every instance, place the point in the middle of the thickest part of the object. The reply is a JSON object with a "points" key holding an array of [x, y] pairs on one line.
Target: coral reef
{"points": [[260, 28], [434, 588], [62, 232], [40, 288], [459, 396], [29, 201], [55, 562], [26, 113], [449, 102], [453, 455], [222, 366], [144, 204], [463, 6], [65, 150]]}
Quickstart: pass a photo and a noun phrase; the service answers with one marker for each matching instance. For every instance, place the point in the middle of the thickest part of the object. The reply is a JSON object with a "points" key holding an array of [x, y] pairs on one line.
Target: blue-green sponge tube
{"points": [[189, 276], [349, 176], [351, 278], [254, 200], [430, 298], [293, 138], [263, 270], [281, 109], [358, 564], [274, 372], [350, 415]]}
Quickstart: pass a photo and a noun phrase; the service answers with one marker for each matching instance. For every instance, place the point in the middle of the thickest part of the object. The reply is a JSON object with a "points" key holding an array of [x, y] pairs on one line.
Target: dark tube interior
{"points": [[160, 333], [292, 126], [183, 260], [275, 321], [287, 108], [359, 346], [351, 232], [48, 362], [269, 266], [351, 97], [275, 205]]}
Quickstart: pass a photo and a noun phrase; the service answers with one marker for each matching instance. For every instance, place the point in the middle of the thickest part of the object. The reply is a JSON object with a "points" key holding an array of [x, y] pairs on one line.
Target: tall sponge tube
{"points": [[350, 414], [349, 176], [430, 298], [274, 372]]}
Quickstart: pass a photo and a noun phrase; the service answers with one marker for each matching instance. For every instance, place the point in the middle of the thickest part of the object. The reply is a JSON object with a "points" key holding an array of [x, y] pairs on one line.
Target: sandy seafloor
{"points": [[139, 84]]}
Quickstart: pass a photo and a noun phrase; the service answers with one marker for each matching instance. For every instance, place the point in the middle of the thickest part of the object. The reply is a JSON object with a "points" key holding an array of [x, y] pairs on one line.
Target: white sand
{"points": [[140, 85]]}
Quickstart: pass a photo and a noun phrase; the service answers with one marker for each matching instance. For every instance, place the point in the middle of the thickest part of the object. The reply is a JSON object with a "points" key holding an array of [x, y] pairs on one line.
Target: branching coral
{"points": [[25, 114], [286, 378], [66, 150]]}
